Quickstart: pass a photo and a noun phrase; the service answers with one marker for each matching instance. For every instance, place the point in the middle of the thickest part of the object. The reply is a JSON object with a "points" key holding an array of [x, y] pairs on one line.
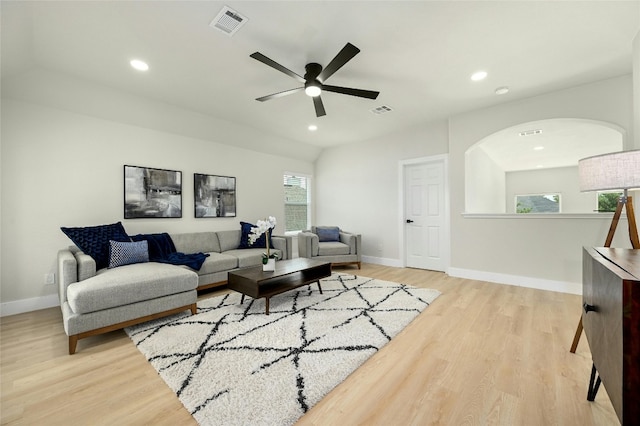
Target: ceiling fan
{"points": [[315, 77]]}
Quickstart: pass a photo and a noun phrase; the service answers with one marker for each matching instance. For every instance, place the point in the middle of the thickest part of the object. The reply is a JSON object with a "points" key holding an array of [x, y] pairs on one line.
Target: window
{"points": [[608, 200], [538, 203], [297, 202]]}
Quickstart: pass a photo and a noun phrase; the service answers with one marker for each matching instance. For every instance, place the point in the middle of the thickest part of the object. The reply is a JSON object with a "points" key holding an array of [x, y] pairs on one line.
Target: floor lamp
{"points": [[618, 170]]}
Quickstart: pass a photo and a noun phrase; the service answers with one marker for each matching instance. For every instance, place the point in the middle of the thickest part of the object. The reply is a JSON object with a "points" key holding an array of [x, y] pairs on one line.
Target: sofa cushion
{"points": [[94, 240], [196, 242], [218, 262], [229, 240], [332, 248], [129, 284], [127, 253], [250, 257], [328, 233]]}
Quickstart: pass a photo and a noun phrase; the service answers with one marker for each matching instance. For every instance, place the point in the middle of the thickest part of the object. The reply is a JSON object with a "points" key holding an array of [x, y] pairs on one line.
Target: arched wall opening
{"points": [[536, 160]]}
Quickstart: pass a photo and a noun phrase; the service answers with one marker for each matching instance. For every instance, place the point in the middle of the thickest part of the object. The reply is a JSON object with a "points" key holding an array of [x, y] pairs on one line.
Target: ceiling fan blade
{"points": [[369, 94], [344, 56], [273, 64], [279, 94], [317, 102]]}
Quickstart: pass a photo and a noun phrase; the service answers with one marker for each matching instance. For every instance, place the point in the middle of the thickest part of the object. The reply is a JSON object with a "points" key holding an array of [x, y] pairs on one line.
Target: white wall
{"points": [[559, 180], [484, 183], [357, 186], [548, 249], [61, 168]]}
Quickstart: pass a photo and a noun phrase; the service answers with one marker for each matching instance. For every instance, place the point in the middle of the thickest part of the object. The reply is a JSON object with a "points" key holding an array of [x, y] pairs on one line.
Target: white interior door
{"points": [[425, 220]]}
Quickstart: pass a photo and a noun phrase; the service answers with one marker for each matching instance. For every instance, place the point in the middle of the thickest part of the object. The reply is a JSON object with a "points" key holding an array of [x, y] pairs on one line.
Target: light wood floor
{"points": [[482, 354]]}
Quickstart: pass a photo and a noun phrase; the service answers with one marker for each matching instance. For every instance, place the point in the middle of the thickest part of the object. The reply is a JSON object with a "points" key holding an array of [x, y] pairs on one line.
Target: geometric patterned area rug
{"points": [[230, 364]]}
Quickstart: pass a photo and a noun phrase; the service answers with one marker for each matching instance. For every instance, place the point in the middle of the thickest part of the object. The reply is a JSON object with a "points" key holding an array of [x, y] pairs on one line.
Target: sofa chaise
{"points": [[98, 300]]}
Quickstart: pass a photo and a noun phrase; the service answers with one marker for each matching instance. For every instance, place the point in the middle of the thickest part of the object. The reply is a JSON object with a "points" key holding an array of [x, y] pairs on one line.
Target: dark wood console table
{"points": [[611, 319]]}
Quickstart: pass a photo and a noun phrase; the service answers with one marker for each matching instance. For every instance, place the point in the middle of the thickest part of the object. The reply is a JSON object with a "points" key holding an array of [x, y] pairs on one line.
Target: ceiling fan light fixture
{"points": [[312, 89]]}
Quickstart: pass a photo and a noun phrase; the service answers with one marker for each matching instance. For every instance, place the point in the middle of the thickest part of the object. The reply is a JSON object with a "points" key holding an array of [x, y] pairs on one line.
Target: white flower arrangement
{"points": [[263, 227]]}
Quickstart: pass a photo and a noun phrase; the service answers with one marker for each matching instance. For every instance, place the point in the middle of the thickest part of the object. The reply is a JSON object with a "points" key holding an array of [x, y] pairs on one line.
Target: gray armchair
{"points": [[331, 244]]}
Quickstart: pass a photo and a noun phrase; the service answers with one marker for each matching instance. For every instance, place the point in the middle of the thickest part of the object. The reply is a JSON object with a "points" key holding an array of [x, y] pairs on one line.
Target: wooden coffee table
{"points": [[288, 274]]}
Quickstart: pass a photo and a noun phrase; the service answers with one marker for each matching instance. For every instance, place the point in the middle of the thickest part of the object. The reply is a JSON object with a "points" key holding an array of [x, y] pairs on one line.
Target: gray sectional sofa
{"points": [[98, 301]]}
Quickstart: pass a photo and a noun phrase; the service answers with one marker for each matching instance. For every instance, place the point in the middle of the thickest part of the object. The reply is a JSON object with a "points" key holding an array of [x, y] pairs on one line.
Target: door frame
{"points": [[446, 236]]}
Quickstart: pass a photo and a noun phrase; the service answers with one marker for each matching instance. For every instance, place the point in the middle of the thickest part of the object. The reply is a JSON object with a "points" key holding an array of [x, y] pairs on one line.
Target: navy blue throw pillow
{"points": [[261, 242], [94, 240]]}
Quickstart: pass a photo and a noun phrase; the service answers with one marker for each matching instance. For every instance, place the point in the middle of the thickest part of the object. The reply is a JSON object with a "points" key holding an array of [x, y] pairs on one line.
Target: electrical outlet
{"points": [[50, 278]]}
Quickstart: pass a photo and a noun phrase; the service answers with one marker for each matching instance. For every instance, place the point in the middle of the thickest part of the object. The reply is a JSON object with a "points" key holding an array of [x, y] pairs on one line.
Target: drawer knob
{"points": [[588, 308]]}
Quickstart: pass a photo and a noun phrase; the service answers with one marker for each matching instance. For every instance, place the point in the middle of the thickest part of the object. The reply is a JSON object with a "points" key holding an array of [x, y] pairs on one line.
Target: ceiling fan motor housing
{"points": [[313, 71], [312, 86]]}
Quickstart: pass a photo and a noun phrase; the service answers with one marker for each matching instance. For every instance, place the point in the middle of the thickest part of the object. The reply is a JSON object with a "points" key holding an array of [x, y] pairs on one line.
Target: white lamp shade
{"points": [[617, 170]]}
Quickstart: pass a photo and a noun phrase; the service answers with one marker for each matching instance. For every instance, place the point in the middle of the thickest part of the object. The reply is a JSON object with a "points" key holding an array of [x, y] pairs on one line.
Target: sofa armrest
{"points": [[67, 273], [86, 266], [307, 244], [284, 243], [354, 241]]}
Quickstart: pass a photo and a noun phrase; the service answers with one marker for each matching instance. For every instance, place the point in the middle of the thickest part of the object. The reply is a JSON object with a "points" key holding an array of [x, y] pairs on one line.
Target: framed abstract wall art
{"points": [[214, 196], [152, 193]]}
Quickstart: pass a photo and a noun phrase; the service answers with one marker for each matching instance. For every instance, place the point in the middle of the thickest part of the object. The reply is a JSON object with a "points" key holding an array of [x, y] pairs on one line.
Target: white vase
{"points": [[270, 265]]}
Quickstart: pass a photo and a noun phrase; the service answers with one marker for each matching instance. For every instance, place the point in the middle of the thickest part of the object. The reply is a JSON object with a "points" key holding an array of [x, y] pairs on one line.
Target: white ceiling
{"points": [[559, 142], [418, 54]]}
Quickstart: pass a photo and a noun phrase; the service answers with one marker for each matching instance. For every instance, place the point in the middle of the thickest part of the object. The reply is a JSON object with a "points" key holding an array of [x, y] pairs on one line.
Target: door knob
{"points": [[409, 221], [588, 308]]}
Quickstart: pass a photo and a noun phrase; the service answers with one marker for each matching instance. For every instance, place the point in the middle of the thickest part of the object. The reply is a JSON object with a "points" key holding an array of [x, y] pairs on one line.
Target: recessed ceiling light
{"points": [[139, 65], [479, 75], [502, 90], [538, 148], [312, 127]]}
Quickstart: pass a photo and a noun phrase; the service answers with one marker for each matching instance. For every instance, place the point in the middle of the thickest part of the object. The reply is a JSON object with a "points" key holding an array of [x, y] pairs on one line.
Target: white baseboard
{"points": [[28, 305], [517, 280], [396, 263]]}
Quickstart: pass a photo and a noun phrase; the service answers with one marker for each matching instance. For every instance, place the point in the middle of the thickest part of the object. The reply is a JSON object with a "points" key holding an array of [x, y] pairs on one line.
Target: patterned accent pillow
{"points": [[121, 253], [261, 242], [328, 233], [94, 240]]}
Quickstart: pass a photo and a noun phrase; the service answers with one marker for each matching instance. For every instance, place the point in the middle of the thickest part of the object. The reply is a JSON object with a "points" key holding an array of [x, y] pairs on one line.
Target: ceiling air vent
{"points": [[381, 110], [530, 132], [228, 21]]}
